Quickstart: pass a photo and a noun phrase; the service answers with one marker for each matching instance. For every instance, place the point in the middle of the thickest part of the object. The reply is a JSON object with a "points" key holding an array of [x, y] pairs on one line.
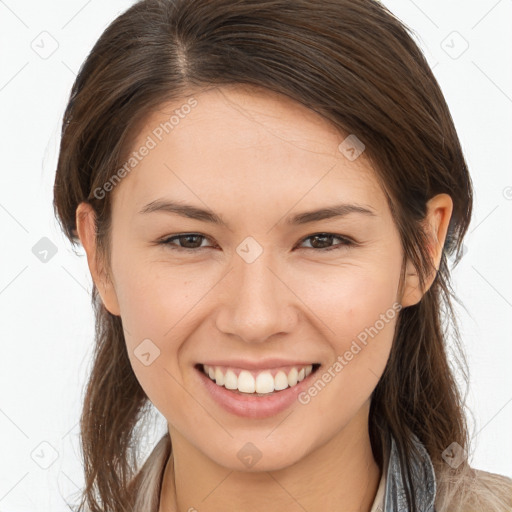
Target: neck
{"points": [[340, 475]]}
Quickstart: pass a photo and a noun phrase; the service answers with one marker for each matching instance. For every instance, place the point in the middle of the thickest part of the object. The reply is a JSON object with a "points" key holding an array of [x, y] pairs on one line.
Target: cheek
{"points": [[151, 314], [356, 308], [153, 302], [352, 298], [367, 305], [161, 304]]}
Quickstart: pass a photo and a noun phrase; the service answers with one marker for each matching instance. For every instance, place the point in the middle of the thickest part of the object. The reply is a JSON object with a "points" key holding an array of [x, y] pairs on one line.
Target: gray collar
{"points": [[423, 476]]}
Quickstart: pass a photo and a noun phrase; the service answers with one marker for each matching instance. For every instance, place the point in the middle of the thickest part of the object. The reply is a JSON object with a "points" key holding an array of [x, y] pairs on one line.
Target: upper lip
{"points": [[261, 364]]}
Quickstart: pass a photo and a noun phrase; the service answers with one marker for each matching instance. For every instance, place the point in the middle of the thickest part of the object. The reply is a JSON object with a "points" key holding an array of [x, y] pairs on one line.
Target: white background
{"points": [[46, 316]]}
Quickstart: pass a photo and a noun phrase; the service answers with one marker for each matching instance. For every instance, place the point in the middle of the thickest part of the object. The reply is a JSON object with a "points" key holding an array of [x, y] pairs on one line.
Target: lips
{"points": [[254, 405]]}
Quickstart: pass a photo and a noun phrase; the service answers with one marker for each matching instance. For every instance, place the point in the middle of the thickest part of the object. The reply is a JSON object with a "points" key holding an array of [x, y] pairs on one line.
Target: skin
{"points": [[255, 158]]}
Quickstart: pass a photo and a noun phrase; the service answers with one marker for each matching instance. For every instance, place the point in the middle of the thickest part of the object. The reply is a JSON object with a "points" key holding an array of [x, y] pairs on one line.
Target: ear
{"points": [[437, 219], [86, 228]]}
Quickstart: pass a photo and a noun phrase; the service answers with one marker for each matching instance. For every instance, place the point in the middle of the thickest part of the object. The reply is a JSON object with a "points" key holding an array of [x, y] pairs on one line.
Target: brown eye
{"points": [[323, 241], [186, 241]]}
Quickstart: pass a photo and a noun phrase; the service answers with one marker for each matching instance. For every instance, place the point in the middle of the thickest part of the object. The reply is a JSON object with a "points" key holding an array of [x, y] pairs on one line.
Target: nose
{"points": [[256, 302]]}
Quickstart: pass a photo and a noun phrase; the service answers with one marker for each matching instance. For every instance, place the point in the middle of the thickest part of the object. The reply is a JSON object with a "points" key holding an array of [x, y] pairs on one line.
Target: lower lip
{"points": [[253, 406]]}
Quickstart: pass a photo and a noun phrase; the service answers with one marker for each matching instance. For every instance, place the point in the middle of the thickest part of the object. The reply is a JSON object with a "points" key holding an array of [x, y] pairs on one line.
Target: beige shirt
{"points": [[378, 502]]}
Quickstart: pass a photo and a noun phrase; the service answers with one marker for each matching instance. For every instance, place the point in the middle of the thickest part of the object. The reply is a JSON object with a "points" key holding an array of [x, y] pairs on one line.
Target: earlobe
{"points": [[412, 292], [85, 222], [437, 220]]}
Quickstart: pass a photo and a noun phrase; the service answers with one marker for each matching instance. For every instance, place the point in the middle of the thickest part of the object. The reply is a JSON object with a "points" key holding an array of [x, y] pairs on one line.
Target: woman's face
{"points": [[255, 290]]}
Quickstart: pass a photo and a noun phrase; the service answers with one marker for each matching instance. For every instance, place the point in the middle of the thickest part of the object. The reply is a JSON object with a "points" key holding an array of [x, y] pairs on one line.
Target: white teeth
{"points": [[246, 382], [219, 377], [292, 377], [280, 381], [264, 383], [230, 381]]}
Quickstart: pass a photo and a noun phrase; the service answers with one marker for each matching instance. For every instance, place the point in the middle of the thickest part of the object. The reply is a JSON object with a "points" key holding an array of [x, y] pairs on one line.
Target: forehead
{"points": [[253, 147]]}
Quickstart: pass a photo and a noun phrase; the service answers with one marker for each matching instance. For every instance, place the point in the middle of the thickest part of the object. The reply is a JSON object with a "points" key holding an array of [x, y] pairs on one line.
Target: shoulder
{"points": [[472, 490]]}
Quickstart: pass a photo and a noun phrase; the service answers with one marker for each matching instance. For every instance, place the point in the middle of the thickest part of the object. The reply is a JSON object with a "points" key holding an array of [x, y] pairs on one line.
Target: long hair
{"points": [[354, 63]]}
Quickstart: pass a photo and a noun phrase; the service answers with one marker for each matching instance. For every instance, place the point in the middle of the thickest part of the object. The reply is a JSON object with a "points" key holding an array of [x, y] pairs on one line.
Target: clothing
{"points": [[423, 476], [390, 496], [378, 502]]}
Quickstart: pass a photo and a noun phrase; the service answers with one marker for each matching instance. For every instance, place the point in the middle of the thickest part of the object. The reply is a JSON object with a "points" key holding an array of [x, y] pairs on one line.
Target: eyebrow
{"points": [[205, 215]]}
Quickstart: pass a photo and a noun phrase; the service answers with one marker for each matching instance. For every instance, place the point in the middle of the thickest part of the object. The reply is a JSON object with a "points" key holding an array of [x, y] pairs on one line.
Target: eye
{"points": [[323, 239], [192, 242], [191, 245]]}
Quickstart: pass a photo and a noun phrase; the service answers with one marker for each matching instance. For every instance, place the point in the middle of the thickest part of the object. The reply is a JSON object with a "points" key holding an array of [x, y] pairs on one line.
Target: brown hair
{"points": [[355, 64]]}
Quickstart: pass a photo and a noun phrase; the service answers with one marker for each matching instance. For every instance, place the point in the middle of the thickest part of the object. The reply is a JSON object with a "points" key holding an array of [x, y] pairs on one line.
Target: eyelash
{"points": [[346, 242]]}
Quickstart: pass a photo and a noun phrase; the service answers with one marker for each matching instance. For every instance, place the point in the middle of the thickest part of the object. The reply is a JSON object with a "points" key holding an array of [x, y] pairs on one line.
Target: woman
{"points": [[267, 193]]}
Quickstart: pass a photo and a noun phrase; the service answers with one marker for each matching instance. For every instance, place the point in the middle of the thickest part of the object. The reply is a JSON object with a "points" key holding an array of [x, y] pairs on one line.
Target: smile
{"points": [[261, 382], [255, 389]]}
